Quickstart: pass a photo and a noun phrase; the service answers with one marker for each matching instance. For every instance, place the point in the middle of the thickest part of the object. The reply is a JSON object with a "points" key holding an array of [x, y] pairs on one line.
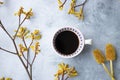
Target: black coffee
{"points": [[66, 42]]}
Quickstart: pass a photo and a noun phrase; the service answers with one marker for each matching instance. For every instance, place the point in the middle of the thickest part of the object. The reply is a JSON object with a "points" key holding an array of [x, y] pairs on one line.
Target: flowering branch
{"points": [[72, 8], [23, 33], [64, 72]]}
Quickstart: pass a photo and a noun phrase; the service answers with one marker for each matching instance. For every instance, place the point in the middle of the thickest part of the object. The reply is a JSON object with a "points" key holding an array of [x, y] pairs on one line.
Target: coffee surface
{"points": [[66, 42]]}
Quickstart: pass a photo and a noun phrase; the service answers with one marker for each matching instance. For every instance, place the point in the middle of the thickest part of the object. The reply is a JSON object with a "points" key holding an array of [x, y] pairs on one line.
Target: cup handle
{"points": [[88, 41]]}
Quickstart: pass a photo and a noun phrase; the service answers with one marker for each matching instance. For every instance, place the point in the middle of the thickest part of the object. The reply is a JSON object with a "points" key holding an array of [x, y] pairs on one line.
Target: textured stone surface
{"points": [[102, 24]]}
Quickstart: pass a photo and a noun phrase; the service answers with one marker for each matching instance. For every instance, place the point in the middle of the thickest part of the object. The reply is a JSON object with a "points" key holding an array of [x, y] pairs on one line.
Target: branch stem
{"points": [[8, 51], [63, 3], [21, 59], [81, 4], [106, 69], [5, 30], [66, 78], [62, 76], [20, 23], [33, 59], [31, 70], [26, 60], [111, 67]]}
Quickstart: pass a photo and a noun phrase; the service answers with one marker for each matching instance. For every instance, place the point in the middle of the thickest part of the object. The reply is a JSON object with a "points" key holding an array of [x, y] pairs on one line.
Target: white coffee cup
{"points": [[63, 40]]}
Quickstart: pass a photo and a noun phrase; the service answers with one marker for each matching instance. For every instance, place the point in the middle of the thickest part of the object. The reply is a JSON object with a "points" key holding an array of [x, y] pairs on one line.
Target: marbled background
{"points": [[102, 24]]}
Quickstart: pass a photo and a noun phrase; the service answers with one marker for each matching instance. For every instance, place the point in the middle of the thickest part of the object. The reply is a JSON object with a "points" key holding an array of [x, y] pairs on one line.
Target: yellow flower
{"points": [[8, 79], [63, 66], [71, 72], [59, 72], [60, 4], [22, 49], [29, 14], [37, 50], [79, 14], [72, 9], [36, 35], [22, 32], [36, 32], [66, 70], [21, 11], [99, 57], [35, 47], [32, 47]]}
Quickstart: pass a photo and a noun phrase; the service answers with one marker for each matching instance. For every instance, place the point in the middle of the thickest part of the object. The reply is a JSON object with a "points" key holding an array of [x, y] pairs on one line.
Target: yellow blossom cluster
{"points": [[22, 32], [72, 10], [64, 69], [28, 14], [5, 78], [35, 35], [22, 49], [35, 47]]}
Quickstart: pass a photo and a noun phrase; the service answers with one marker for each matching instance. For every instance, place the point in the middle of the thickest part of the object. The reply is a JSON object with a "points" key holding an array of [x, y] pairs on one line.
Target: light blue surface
{"points": [[102, 24]]}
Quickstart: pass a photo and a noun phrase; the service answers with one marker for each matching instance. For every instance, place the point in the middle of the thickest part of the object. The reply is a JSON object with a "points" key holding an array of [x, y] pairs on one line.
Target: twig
{"points": [[66, 78], [5, 30], [20, 24], [62, 76], [32, 65], [30, 44], [81, 4], [106, 69], [31, 70], [8, 51], [24, 42], [111, 67], [63, 3], [26, 59], [21, 59], [29, 48], [28, 52], [58, 78], [25, 67], [33, 59]]}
